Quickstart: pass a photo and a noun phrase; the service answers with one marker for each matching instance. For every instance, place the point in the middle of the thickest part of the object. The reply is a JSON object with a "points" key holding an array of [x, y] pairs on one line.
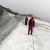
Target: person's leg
{"points": [[28, 30], [26, 22], [31, 30]]}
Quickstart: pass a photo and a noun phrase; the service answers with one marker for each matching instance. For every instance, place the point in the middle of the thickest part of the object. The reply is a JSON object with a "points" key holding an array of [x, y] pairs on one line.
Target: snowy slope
{"points": [[11, 14], [42, 35], [19, 40], [7, 24]]}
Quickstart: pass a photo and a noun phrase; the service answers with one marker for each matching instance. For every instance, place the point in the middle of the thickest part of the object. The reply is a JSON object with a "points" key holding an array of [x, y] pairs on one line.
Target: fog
{"points": [[39, 8]]}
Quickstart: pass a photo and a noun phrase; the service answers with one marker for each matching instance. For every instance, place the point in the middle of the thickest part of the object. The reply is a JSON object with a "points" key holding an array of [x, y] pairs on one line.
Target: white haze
{"points": [[39, 8]]}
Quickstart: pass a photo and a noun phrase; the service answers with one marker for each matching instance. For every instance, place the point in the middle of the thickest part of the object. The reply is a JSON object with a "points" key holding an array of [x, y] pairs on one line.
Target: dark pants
{"points": [[25, 22], [30, 28]]}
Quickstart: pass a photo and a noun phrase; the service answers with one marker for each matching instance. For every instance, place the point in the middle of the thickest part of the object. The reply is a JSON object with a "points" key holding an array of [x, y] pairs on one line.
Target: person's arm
{"points": [[27, 19], [34, 23], [28, 23]]}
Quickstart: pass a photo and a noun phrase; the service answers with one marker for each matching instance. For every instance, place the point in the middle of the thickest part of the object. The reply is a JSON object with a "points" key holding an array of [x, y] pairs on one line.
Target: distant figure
{"points": [[31, 24], [26, 19]]}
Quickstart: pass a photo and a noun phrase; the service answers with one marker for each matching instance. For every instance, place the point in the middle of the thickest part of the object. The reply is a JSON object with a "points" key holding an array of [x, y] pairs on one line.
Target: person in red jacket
{"points": [[31, 25], [26, 19]]}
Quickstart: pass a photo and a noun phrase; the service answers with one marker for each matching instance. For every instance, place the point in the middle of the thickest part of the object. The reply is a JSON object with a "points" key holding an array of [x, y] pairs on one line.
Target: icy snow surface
{"points": [[19, 40]]}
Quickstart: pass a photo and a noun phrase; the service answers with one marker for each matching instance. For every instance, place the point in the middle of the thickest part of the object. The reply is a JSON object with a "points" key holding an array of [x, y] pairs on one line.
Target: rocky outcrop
{"points": [[1, 10]]}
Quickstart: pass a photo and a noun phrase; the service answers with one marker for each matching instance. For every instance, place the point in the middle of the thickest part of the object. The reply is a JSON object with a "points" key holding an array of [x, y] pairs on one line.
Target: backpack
{"points": [[31, 22]]}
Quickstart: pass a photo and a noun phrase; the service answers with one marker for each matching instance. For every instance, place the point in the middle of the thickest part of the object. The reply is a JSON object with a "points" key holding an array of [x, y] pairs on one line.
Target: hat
{"points": [[33, 17]]}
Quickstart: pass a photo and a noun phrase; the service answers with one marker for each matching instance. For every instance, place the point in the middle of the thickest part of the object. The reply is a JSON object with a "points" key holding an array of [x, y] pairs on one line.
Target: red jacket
{"points": [[34, 23], [26, 19]]}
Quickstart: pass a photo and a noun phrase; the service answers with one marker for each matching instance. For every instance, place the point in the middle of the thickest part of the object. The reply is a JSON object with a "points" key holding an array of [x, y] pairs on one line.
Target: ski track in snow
{"points": [[19, 40]]}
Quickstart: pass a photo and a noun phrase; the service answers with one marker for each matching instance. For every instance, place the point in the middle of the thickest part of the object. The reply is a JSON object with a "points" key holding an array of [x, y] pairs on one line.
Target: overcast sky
{"points": [[39, 8]]}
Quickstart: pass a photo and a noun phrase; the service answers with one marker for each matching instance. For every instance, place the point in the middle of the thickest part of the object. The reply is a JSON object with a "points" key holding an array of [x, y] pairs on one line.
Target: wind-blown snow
{"points": [[20, 40]]}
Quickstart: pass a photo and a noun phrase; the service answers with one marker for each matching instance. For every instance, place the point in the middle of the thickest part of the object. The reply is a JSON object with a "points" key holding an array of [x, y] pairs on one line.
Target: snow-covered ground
{"points": [[7, 24], [19, 39]]}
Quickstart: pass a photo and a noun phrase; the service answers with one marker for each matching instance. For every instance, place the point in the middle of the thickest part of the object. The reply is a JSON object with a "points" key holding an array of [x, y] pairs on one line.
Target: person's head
{"points": [[33, 17]]}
